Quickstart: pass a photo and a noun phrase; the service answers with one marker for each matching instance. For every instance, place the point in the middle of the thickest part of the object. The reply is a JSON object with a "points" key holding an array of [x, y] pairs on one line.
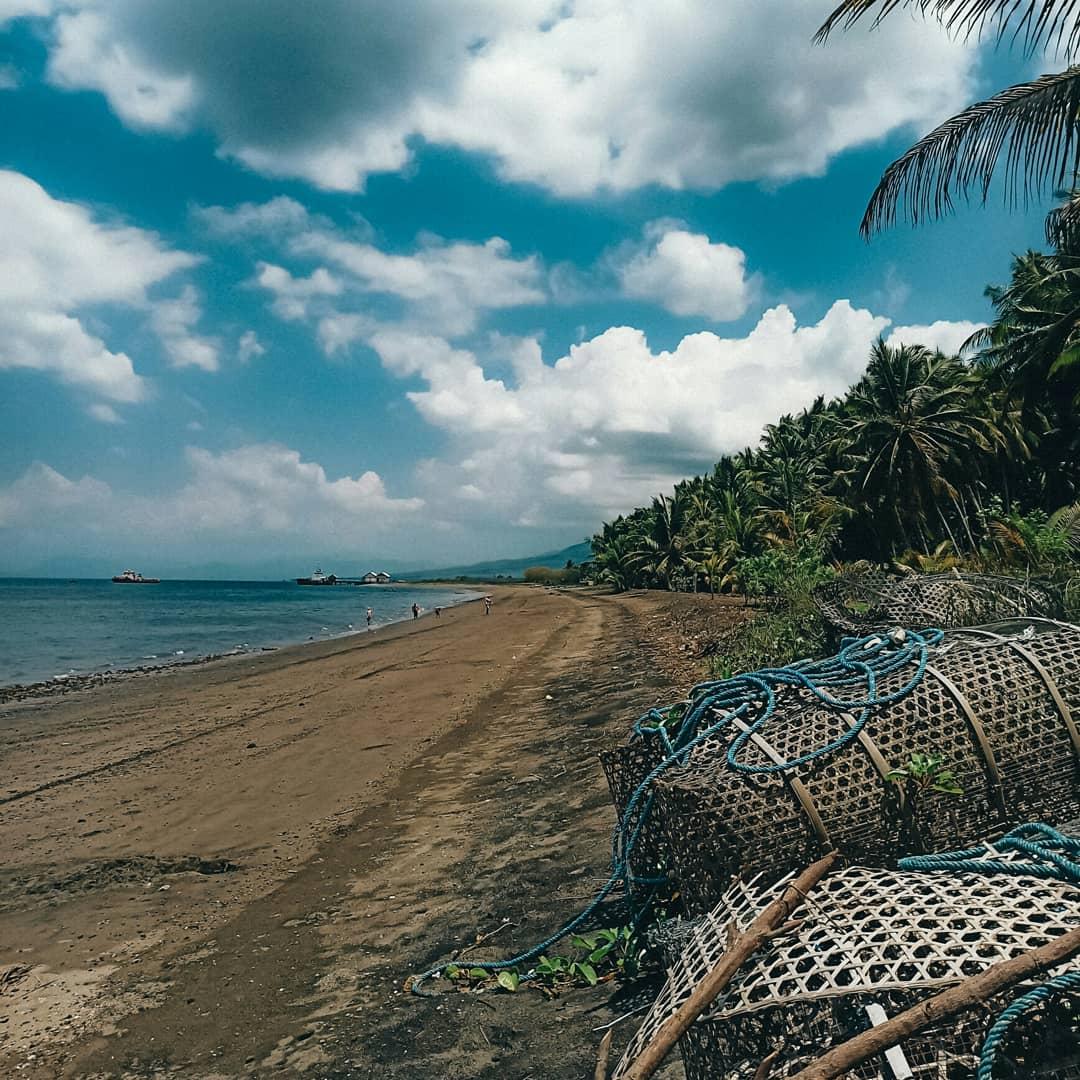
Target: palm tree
{"points": [[908, 430], [1032, 353], [665, 548], [1030, 130]]}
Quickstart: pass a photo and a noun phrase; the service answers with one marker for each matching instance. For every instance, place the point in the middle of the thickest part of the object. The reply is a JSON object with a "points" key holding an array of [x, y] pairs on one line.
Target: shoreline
{"points": [[148, 822], [60, 685], [230, 869]]}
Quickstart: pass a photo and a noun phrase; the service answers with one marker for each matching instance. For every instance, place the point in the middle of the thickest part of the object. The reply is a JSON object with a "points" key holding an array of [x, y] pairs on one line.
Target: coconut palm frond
{"points": [[1067, 522], [1033, 126], [1053, 25], [1063, 224]]}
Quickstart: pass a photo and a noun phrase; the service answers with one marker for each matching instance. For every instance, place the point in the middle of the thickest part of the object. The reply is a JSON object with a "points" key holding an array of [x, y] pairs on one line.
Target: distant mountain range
{"points": [[576, 553], [289, 567]]}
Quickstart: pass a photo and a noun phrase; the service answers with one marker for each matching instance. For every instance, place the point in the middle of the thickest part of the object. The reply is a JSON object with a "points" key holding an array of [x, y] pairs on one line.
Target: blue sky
{"points": [[345, 284]]}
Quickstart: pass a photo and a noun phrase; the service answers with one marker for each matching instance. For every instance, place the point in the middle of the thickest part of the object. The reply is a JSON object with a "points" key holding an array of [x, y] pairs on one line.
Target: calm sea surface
{"points": [[51, 628]]}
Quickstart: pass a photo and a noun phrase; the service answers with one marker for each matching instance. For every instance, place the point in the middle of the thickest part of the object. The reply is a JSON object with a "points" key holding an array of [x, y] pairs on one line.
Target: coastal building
{"points": [[375, 577]]}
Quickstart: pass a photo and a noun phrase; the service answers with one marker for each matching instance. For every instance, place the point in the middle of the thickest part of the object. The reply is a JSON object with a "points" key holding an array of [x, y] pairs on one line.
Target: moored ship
{"points": [[317, 578], [133, 577]]}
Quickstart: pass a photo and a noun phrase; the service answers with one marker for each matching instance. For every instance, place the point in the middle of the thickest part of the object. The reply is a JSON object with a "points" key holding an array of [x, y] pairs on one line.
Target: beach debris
{"points": [[773, 920], [877, 599], [12, 974], [767, 771], [973, 922]]}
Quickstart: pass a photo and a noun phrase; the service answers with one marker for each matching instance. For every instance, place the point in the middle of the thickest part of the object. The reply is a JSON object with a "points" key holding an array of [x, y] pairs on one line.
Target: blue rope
{"points": [[988, 1057], [1050, 854], [857, 669]]}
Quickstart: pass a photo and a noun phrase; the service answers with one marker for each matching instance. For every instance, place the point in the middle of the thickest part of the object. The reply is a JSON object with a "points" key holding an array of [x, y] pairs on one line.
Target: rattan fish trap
{"points": [[882, 938], [1000, 706], [860, 603]]}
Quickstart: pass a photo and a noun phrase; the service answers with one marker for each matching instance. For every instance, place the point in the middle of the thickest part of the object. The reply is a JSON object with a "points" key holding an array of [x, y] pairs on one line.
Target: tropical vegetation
{"points": [[929, 461], [1025, 136]]}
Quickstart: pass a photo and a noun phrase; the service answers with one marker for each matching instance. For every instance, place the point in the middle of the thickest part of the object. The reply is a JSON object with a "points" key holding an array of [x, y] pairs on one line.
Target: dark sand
{"points": [[230, 869]]}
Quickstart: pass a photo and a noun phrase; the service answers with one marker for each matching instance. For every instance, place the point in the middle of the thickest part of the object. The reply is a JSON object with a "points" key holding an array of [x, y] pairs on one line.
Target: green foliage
{"points": [[923, 775], [784, 571], [926, 772], [612, 953], [1033, 540], [793, 630], [546, 575]]}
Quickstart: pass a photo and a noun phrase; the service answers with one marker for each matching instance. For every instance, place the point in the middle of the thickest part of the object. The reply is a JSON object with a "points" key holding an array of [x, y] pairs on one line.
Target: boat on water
{"points": [[317, 578], [133, 577]]}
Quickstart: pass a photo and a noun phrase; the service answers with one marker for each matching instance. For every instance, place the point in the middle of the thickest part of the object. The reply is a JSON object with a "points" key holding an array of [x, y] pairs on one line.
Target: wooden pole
{"points": [[600, 1072], [775, 915], [957, 999]]}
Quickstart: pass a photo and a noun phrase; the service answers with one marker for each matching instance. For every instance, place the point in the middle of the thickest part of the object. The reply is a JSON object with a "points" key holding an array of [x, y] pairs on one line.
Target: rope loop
{"points": [[847, 682], [1049, 854]]}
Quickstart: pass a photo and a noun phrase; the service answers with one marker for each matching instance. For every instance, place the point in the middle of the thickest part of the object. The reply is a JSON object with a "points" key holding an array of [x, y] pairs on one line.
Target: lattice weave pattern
{"points": [[860, 603], [1001, 709], [890, 937]]}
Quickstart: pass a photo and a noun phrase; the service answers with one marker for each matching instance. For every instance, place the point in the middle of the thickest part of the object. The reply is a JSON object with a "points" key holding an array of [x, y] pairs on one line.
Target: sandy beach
{"points": [[230, 869]]}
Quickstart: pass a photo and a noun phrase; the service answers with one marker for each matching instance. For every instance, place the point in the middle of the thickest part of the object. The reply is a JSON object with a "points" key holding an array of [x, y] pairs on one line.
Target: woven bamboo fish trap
{"points": [[1000, 705], [886, 938], [860, 603]]}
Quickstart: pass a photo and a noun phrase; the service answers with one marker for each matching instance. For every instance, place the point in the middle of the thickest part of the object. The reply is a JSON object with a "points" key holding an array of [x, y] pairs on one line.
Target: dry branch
{"points": [[600, 1072], [759, 932]]}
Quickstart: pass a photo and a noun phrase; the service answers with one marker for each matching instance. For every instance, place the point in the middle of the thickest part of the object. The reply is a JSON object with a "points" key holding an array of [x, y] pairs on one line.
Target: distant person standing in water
{"points": [[416, 611], [370, 616], [487, 605]]}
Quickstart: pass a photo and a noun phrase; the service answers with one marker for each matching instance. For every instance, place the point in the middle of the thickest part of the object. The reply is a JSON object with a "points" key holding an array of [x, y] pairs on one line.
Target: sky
{"points": [[348, 283]]}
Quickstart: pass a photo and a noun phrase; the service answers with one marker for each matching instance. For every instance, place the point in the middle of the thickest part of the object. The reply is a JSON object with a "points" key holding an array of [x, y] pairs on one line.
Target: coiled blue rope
{"points": [[1049, 854], [855, 671]]}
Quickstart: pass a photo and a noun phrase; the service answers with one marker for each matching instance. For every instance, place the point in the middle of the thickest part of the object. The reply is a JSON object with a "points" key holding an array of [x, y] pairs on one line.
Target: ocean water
{"points": [[52, 627]]}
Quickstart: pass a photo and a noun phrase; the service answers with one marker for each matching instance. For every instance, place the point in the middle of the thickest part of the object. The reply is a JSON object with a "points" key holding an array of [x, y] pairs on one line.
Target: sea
{"points": [[52, 629]]}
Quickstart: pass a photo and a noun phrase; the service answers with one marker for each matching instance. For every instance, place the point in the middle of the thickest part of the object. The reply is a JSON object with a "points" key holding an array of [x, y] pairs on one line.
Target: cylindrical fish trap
{"points": [[626, 768], [998, 708], [870, 943], [858, 604]]}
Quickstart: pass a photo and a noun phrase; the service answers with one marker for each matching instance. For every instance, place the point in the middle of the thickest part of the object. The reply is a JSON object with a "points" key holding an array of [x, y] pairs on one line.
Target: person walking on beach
{"points": [[416, 611], [370, 616], [438, 613], [487, 605]]}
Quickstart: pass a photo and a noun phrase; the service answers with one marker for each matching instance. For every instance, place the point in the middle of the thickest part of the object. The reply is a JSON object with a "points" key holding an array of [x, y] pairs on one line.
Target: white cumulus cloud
{"points": [[613, 422], [293, 296], [614, 94], [17, 9], [446, 284], [275, 217], [57, 261], [688, 274], [948, 337], [265, 490], [174, 321], [249, 347]]}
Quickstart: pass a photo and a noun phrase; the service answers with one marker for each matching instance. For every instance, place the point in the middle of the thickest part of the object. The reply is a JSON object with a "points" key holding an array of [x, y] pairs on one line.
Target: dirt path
{"points": [[476, 798]]}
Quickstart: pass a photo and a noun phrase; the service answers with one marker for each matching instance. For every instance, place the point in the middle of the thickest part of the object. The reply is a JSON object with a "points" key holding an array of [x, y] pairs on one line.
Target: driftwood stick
{"points": [[957, 999], [764, 1070], [602, 1055], [746, 944]]}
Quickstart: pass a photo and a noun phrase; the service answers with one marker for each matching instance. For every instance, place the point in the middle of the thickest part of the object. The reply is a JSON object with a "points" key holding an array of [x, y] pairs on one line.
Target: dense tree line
{"points": [[929, 459]]}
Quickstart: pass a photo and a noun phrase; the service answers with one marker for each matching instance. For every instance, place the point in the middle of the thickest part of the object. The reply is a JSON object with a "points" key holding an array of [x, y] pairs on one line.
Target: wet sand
{"points": [[229, 870]]}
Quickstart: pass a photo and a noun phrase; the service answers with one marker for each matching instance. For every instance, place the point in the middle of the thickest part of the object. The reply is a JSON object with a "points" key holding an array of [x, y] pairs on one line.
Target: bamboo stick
{"points": [[957, 999], [759, 932]]}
